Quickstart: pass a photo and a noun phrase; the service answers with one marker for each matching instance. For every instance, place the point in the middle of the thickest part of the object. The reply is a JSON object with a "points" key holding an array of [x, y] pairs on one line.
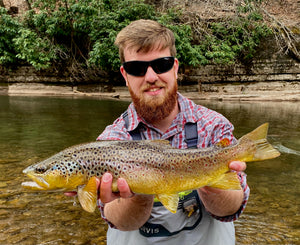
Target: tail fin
{"points": [[264, 150]]}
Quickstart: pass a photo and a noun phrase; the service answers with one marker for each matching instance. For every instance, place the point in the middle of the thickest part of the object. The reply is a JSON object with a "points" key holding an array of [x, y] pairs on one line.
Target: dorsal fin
{"points": [[223, 143], [160, 142]]}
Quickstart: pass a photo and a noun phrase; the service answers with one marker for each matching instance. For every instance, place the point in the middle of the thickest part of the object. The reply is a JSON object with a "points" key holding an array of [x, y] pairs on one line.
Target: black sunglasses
{"points": [[139, 68]]}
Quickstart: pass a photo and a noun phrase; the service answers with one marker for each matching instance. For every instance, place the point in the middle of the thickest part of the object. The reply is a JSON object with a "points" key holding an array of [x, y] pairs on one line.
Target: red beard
{"points": [[155, 110]]}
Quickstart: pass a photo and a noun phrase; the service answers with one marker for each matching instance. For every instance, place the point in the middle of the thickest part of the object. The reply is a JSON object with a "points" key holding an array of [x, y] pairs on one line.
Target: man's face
{"points": [[154, 95]]}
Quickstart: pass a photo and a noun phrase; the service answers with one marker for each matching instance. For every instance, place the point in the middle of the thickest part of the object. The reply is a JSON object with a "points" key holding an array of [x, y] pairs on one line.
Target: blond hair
{"points": [[145, 35]]}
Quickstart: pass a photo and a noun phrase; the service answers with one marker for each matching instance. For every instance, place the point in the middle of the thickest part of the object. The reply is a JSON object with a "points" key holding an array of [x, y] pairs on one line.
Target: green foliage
{"points": [[36, 50], [80, 34], [114, 16], [8, 30], [187, 53], [234, 39]]}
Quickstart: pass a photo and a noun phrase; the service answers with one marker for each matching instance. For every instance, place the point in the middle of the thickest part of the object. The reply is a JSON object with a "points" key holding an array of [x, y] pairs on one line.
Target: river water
{"points": [[33, 128]]}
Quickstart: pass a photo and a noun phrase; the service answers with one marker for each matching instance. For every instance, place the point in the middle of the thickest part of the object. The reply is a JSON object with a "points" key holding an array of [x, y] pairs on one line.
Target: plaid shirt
{"points": [[212, 127]]}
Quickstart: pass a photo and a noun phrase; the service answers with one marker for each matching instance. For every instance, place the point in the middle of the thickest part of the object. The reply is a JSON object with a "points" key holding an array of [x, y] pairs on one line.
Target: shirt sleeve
{"points": [[116, 131], [243, 180], [223, 130], [100, 206], [213, 129]]}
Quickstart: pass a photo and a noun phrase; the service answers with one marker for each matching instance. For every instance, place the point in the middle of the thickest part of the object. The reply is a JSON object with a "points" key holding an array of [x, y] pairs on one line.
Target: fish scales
{"points": [[139, 163], [149, 166]]}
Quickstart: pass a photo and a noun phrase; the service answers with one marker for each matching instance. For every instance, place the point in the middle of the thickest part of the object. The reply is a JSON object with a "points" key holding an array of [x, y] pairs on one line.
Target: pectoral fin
{"points": [[228, 181], [87, 195], [170, 201]]}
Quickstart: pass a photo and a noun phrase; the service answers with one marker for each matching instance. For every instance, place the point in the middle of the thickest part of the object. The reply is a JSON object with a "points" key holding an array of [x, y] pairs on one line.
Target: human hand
{"points": [[234, 166], [237, 166], [223, 202], [104, 187]]}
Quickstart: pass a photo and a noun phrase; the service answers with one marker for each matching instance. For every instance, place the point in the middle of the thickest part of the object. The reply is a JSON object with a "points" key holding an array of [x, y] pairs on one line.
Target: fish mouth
{"points": [[32, 185], [38, 183]]}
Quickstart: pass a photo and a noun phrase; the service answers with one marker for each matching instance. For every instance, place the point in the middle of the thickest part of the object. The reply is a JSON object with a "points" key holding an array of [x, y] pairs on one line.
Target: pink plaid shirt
{"points": [[212, 127]]}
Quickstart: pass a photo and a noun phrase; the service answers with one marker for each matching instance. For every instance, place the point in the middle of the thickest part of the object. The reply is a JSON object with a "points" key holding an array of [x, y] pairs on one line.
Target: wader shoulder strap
{"points": [[191, 132], [135, 134]]}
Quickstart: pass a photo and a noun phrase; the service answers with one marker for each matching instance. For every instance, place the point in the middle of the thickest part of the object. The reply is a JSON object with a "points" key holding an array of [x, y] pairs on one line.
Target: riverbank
{"points": [[260, 91]]}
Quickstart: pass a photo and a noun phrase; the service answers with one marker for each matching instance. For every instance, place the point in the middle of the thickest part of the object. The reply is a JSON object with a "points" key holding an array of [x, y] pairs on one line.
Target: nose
{"points": [[151, 75]]}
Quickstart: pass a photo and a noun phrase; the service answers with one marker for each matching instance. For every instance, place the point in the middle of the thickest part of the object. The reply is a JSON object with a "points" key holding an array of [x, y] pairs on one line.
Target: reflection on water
{"points": [[33, 128], [280, 147]]}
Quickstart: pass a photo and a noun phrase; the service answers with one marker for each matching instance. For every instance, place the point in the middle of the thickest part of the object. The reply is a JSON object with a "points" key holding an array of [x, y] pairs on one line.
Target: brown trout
{"points": [[149, 166]]}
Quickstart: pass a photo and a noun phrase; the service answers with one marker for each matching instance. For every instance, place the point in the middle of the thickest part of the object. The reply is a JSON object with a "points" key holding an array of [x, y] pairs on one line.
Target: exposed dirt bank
{"points": [[244, 92]]}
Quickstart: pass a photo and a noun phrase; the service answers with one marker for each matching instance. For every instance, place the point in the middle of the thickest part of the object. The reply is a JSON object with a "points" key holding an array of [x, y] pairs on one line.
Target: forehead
{"points": [[154, 53]]}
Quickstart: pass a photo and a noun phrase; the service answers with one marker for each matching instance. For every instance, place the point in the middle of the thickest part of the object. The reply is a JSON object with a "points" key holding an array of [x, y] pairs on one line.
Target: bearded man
{"points": [[149, 67]]}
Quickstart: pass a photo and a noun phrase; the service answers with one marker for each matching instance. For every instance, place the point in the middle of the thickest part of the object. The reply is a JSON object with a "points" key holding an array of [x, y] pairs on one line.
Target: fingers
{"points": [[207, 190], [124, 189], [70, 193], [237, 166], [106, 194], [105, 191]]}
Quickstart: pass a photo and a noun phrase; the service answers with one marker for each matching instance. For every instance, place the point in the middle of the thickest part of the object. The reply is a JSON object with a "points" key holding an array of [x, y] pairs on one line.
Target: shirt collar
{"points": [[187, 109]]}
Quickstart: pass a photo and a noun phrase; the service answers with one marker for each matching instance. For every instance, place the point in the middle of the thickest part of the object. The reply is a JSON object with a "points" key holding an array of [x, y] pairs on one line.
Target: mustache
{"points": [[151, 85]]}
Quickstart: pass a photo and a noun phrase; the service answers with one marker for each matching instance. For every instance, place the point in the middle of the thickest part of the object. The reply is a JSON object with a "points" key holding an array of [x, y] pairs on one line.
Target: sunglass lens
{"points": [[163, 65], [135, 68], [139, 68]]}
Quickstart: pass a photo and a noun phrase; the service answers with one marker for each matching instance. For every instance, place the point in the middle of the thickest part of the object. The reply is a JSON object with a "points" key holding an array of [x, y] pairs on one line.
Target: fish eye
{"points": [[41, 169]]}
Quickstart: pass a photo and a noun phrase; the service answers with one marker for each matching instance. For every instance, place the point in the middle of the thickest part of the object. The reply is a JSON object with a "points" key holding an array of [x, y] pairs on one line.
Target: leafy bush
{"points": [[34, 49], [8, 30], [114, 16], [80, 35], [232, 39]]}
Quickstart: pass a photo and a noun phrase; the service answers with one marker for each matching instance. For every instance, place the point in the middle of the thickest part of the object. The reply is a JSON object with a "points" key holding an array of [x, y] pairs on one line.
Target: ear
{"points": [[124, 74], [176, 67]]}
